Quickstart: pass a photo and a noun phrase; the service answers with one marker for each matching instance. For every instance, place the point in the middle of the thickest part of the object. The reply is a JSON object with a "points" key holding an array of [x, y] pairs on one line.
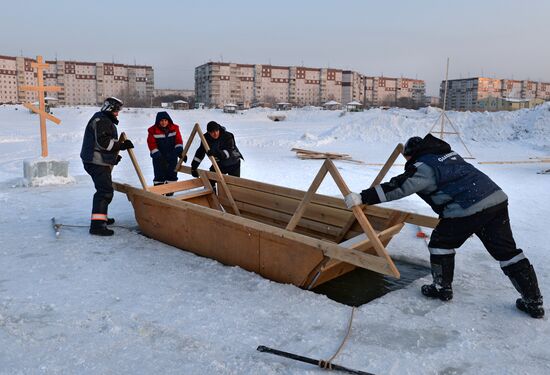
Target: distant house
{"points": [[230, 108], [354, 107], [332, 105], [283, 106], [180, 104], [507, 104]]}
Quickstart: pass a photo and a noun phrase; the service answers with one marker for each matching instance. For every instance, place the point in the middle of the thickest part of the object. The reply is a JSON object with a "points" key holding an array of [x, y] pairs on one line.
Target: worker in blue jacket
{"points": [[468, 202]]}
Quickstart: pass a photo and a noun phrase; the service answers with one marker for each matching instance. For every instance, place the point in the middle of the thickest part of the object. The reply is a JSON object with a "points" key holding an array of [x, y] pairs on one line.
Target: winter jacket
{"points": [[164, 141], [441, 177], [225, 149], [100, 144]]}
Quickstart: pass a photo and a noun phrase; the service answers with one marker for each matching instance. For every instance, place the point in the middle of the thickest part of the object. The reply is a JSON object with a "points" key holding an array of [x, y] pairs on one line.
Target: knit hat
{"points": [[411, 146], [212, 126]]}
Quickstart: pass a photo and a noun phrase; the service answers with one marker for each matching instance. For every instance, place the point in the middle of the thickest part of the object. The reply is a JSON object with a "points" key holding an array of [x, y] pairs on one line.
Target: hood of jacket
{"points": [[162, 116], [429, 145]]}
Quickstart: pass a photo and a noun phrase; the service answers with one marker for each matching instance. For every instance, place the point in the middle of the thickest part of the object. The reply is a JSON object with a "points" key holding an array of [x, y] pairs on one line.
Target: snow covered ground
{"points": [[81, 304]]}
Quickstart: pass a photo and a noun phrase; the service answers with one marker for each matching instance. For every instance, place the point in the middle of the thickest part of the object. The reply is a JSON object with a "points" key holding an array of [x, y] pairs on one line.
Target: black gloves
{"points": [[156, 155], [118, 159], [179, 154], [127, 144], [214, 153], [194, 173]]}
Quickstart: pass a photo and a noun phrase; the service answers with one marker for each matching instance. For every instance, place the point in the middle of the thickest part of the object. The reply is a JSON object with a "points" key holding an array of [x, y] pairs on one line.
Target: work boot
{"points": [[110, 221], [442, 272], [432, 291], [99, 228], [523, 277]]}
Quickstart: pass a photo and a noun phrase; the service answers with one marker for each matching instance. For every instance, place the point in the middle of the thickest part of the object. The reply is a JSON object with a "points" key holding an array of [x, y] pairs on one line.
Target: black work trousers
{"points": [[101, 175], [232, 170], [491, 225]]}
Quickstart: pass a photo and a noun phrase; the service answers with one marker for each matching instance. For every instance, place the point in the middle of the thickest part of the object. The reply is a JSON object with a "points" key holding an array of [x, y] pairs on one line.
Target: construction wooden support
{"points": [[307, 198], [398, 150], [320, 202], [122, 138], [187, 146], [221, 180]]}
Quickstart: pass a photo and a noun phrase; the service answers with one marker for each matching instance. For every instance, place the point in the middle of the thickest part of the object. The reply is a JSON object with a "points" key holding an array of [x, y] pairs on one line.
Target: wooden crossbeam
{"points": [[41, 88], [46, 114], [398, 150]]}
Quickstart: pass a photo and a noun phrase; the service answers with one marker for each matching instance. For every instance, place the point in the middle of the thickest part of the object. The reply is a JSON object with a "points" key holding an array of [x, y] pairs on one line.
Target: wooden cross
{"points": [[41, 110]]}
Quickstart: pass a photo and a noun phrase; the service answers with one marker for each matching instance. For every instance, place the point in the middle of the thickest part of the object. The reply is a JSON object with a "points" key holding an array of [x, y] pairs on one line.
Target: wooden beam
{"points": [[122, 138], [41, 88], [46, 114], [387, 165], [516, 162], [173, 187], [187, 146], [307, 198], [220, 177], [362, 219]]}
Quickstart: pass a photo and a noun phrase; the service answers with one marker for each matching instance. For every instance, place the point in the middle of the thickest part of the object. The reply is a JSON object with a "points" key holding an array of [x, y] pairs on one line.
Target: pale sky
{"points": [[494, 38]]}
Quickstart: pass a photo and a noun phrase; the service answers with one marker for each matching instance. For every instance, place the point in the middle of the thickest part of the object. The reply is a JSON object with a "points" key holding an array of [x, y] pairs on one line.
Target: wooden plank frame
{"points": [[391, 160], [197, 130], [329, 167]]}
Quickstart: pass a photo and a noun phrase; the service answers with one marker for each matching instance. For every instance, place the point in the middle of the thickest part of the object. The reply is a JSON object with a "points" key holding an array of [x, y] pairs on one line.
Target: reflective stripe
{"points": [[154, 150], [102, 217], [517, 258], [111, 144], [380, 193], [159, 136], [226, 154], [197, 159], [179, 145], [438, 251], [173, 134]]}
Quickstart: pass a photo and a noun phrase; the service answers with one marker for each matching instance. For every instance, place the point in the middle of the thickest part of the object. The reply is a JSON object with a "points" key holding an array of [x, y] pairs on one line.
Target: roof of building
{"points": [[180, 102], [331, 102], [354, 103]]}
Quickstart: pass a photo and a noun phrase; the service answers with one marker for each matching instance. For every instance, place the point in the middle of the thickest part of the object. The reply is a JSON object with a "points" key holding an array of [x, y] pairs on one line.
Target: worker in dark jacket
{"points": [[468, 202], [99, 154], [166, 145], [222, 148]]}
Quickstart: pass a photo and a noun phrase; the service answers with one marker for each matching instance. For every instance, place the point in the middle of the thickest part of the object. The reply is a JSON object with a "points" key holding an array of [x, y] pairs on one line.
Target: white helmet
{"points": [[111, 104]]}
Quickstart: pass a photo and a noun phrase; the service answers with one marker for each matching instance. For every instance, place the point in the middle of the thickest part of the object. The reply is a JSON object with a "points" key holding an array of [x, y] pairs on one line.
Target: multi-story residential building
{"points": [[217, 84], [82, 83], [471, 94], [185, 93]]}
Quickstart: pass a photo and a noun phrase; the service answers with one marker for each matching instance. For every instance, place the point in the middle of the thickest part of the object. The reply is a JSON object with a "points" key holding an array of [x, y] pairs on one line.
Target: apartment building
{"points": [[217, 84], [82, 83], [471, 94], [387, 91]]}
